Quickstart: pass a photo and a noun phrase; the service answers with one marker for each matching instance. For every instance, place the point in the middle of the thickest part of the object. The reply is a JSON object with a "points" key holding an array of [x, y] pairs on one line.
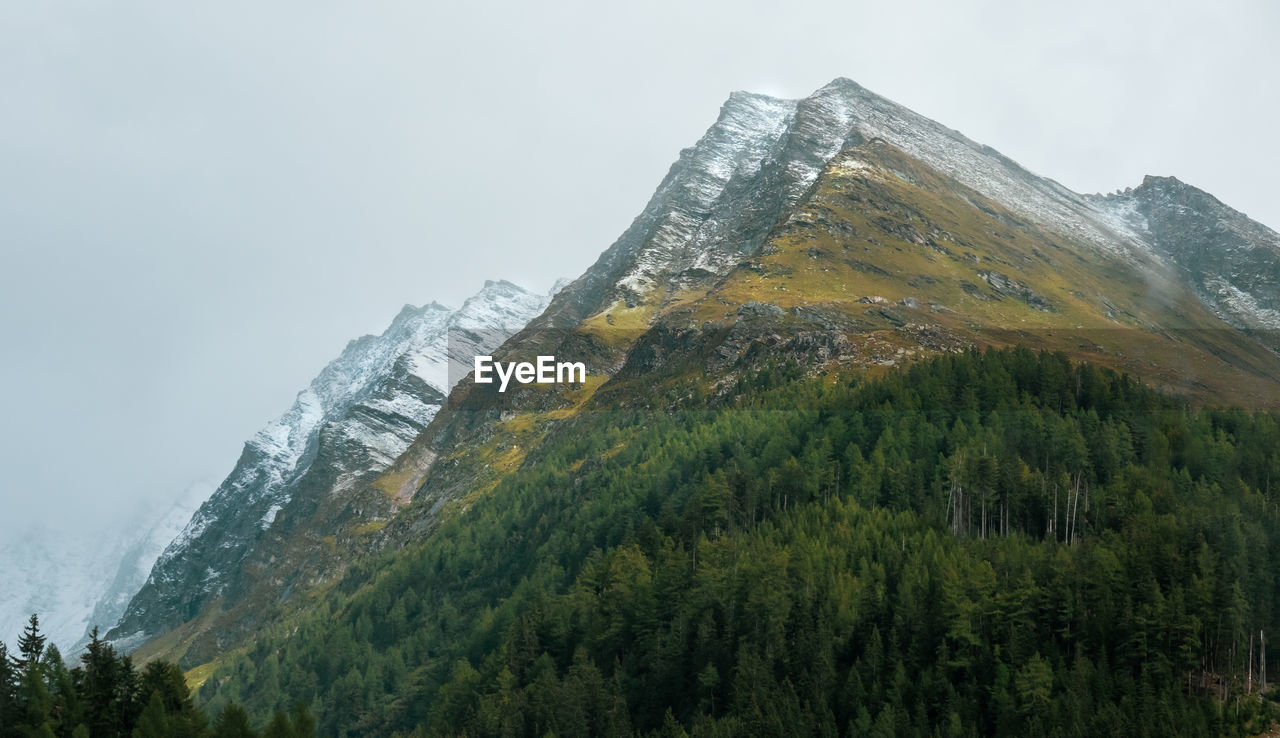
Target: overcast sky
{"points": [[201, 203]]}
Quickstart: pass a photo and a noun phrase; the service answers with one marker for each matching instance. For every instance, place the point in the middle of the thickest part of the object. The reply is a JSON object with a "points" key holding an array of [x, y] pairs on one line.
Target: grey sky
{"points": [[199, 206]]}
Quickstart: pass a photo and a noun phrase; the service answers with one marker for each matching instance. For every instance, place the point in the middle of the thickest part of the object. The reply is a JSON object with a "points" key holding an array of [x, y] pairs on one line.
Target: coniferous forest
{"points": [[104, 695], [988, 543]]}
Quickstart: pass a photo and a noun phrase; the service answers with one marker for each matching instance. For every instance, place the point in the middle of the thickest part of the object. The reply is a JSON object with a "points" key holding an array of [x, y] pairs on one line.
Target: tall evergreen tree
{"points": [[30, 643], [233, 723], [8, 693], [165, 680], [154, 721], [108, 689], [66, 710], [279, 727]]}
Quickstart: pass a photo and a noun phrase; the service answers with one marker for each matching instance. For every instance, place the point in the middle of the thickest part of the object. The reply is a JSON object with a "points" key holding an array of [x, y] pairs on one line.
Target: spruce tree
{"points": [[154, 723], [279, 727], [30, 643], [166, 680], [233, 723], [304, 725], [8, 692], [35, 704], [66, 709], [108, 689]]}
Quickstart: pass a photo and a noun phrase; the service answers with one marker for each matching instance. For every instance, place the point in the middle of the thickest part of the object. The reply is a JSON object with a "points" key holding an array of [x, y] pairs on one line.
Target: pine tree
{"points": [[233, 723], [108, 689], [279, 727], [36, 706], [30, 643], [66, 709], [304, 725], [8, 692], [154, 722], [164, 679]]}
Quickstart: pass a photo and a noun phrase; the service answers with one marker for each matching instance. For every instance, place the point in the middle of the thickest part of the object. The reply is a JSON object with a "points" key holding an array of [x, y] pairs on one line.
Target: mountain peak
{"points": [[842, 84], [409, 310], [501, 285], [559, 285], [1152, 179]]}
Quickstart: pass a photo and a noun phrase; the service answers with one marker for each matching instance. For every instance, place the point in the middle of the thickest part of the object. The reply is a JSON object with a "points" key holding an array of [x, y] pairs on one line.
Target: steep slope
{"points": [[889, 258], [134, 563], [1230, 261], [836, 235], [814, 557], [273, 523], [855, 234]]}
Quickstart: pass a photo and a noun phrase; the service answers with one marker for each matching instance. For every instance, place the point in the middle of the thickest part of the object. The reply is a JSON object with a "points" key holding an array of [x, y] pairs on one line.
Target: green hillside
{"points": [[908, 463], [987, 543]]}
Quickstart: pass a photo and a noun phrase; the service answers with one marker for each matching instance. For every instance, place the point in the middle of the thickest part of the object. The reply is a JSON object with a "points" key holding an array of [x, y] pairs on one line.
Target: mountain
{"points": [[849, 232], [1231, 262], [292, 503], [75, 583], [863, 450], [804, 446], [135, 562]]}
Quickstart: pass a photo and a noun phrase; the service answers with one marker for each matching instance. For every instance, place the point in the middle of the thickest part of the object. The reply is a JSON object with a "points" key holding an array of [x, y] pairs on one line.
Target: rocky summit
{"points": [[850, 233]]}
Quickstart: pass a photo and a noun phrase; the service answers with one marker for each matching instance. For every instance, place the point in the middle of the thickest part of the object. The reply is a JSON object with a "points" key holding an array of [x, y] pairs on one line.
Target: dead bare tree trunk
{"points": [[1075, 505], [1248, 678], [1262, 661], [983, 528], [1055, 511]]}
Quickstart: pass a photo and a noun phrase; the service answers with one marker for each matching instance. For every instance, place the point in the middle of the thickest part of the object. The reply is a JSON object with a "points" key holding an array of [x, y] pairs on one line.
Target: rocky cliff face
{"points": [[1232, 262], [352, 421], [723, 197], [847, 231]]}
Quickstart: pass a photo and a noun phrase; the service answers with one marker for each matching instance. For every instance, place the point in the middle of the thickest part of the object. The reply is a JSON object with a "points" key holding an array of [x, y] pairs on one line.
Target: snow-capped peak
{"points": [[353, 420]]}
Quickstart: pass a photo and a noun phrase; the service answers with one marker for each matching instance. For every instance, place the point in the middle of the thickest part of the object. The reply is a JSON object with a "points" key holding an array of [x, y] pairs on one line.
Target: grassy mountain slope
{"points": [[536, 564], [885, 260], [951, 264], [986, 543]]}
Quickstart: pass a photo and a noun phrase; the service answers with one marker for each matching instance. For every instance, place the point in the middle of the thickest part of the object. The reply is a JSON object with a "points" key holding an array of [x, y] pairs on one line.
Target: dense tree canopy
{"points": [[998, 542], [105, 697]]}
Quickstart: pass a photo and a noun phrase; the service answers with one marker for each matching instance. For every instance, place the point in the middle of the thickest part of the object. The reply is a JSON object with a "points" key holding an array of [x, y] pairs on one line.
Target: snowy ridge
{"points": [[982, 168], [687, 212], [1229, 260], [275, 454], [762, 156], [355, 418]]}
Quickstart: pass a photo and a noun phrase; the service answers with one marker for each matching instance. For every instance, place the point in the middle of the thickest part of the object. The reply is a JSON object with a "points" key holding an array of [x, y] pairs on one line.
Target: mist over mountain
{"points": [[74, 583], [835, 320]]}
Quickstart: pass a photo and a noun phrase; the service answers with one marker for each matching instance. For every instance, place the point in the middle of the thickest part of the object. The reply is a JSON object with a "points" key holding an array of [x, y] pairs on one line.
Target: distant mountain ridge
{"points": [[353, 420], [75, 583]]}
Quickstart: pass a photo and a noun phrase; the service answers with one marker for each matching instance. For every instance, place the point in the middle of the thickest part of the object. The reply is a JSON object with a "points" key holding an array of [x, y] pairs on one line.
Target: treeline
{"points": [[995, 543], [105, 697]]}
